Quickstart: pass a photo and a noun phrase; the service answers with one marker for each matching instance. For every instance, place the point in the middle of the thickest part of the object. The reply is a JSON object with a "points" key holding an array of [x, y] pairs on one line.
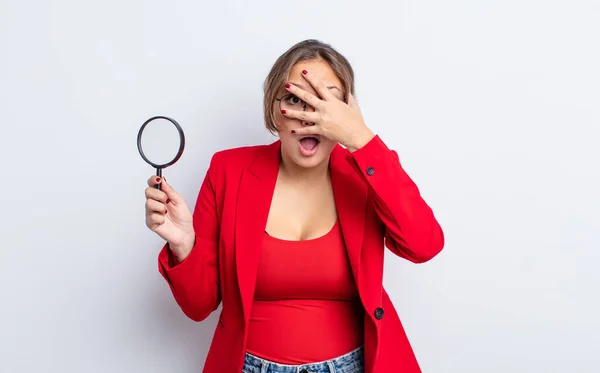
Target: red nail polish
{"points": [[287, 85], [158, 179], [293, 131], [283, 111], [304, 72]]}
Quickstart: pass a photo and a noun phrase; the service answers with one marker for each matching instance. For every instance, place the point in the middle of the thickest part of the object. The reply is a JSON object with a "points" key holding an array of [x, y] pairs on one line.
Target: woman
{"points": [[290, 236]]}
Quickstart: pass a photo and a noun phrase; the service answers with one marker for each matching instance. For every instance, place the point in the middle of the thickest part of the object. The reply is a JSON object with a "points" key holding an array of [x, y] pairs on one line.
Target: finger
{"points": [[307, 97], [155, 220], [173, 196], [309, 130], [154, 206], [153, 181], [306, 116], [157, 195], [318, 85]]}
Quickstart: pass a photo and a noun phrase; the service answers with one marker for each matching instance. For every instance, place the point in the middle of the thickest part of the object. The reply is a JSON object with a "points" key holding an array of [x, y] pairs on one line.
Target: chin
{"points": [[311, 162]]}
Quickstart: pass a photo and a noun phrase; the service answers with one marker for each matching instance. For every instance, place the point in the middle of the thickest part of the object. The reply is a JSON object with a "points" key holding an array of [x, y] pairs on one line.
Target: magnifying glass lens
{"points": [[160, 142]]}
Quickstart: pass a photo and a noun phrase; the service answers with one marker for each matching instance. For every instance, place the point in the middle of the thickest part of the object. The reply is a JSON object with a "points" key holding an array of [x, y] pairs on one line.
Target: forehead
{"points": [[320, 69]]}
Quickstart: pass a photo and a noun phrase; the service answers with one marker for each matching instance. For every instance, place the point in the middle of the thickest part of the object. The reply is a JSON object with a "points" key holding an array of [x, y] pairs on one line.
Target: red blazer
{"points": [[377, 204]]}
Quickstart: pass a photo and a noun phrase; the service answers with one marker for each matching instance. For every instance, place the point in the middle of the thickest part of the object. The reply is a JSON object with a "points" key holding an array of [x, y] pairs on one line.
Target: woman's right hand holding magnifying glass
{"points": [[168, 215]]}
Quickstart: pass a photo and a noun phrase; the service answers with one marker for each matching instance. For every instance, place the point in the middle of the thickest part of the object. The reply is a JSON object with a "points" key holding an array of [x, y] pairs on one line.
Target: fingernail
{"points": [[304, 72], [283, 111], [287, 85], [158, 179], [293, 131]]}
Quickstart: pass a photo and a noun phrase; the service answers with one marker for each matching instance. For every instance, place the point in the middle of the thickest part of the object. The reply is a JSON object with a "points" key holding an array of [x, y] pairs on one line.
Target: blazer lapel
{"points": [[350, 194], [255, 193]]}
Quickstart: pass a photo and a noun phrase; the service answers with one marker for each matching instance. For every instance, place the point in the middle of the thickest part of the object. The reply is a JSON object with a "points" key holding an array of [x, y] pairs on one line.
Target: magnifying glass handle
{"points": [[159, 174]]}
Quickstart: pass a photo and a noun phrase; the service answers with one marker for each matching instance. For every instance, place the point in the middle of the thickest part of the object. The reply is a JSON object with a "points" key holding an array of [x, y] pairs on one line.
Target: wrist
{"points": [[182, 249], [361, 140]]}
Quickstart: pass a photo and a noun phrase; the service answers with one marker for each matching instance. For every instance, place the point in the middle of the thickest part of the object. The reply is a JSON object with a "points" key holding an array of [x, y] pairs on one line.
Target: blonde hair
{"points": [[310, 49]]}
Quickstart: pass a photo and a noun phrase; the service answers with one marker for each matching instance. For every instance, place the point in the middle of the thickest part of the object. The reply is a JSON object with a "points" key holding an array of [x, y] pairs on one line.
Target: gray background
{"points": [[492, 106]]}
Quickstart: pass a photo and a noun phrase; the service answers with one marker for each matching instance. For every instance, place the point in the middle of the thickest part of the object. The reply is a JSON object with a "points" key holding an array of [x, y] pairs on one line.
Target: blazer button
{"points": [[370, 171], [379, 313]]}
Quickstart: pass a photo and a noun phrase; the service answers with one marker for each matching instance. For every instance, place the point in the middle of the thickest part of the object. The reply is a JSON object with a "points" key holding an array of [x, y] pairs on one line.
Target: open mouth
{"points": [[309, 145]]}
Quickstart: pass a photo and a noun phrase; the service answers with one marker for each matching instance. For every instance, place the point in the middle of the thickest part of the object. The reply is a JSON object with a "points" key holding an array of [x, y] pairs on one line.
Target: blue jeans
{"points": [[352, 362]]}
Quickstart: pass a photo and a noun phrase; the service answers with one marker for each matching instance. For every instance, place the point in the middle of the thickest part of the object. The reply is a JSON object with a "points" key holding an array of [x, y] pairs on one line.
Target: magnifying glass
{"points": [[164, 141]]}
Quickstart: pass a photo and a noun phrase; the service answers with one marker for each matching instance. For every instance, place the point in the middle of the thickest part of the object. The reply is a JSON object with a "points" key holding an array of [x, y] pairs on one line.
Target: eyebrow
{"points": [[303, 87]]}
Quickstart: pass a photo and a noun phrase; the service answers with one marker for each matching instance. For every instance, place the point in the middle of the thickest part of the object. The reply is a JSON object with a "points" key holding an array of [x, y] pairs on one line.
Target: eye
{"points": [[293, 100]]}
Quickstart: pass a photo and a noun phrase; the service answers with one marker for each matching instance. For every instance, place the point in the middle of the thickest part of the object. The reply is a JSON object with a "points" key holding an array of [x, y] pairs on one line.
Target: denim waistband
{"points": [[352, 362]]}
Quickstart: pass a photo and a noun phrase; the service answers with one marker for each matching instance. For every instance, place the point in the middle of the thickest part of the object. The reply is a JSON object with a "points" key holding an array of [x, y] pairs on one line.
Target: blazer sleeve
{"points": [[412, 231], [194, 282]]}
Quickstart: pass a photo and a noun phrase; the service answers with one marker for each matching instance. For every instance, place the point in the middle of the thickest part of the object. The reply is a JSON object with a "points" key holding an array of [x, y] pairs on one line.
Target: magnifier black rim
{"points": [[181, 141]]}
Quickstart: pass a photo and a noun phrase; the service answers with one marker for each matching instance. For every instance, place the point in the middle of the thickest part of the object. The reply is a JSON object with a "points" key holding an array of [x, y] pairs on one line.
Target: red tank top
{"points": [[306, 306]]}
